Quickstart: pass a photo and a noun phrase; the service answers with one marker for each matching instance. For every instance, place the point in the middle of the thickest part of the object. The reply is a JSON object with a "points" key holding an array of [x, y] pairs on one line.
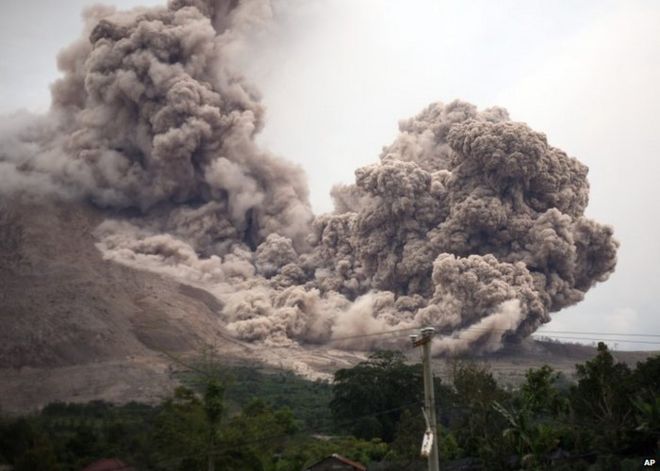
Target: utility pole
{"points": [[429, 394]]}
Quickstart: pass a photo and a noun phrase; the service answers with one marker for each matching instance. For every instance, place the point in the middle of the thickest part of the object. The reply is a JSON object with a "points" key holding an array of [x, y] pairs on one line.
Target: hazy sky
{"points": [[337, 75]]}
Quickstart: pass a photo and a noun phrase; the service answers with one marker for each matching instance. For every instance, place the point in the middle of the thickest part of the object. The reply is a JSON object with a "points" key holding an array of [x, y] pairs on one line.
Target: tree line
{"points": [[606, 418]]}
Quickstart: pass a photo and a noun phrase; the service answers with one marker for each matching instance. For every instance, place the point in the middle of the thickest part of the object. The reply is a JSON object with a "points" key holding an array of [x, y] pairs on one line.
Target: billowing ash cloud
{"points": [[147, 114], [469, 222]]}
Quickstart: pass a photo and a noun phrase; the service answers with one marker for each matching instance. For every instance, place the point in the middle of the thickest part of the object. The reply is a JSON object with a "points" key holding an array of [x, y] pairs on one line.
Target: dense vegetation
{"points": [[607, 419]]}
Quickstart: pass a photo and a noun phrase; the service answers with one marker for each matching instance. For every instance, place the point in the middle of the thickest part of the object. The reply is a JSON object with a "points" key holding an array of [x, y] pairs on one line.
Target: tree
{"points": [[406, 446], [601, 391], [477, 425], [189, 422], [181, 432], [252, 438], [213, 408], [24, 444], [646, 403], [192, 432], [614, 408], [530, 428], [647, 375], [363, 394], [532, 440], [539, 394]]}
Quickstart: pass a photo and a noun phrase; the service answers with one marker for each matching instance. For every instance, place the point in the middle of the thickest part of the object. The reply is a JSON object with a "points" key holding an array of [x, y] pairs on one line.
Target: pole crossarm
{"points": [[420, 341]]}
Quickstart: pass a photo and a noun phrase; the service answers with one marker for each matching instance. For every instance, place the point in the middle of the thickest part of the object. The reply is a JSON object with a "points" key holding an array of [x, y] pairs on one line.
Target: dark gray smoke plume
{"points": [[148, 115], [469, 222]]}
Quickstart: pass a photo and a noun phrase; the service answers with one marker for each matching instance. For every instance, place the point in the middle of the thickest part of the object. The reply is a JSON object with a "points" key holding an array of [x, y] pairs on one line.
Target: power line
{"points": [[597, 333], [567, 337], [396, 332], [598, 339], [408, 329], [561, 332], [373, 334]]}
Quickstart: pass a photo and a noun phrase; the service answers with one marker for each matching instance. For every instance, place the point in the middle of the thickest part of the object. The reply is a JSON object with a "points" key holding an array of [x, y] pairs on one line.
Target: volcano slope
{"points": [[74, 326]]}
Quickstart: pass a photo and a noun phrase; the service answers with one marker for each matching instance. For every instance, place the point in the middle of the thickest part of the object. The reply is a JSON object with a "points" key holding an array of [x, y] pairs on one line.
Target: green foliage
{"points": [[70, 436], [408, 439], [647, 374], [646, 401], [531, 441], [256, 435], [190, 433], [405, 449], [607, 414], [476, 423], [539, 393], [307, 400], [474, 384], [238, 419], [24, 444], [181, 431], [384, 382], [601, 393]]}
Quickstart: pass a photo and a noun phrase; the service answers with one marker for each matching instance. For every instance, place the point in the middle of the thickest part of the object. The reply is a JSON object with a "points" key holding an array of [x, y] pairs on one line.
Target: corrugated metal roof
{"points": [[109, 465], [341, 459], [355, 464]]}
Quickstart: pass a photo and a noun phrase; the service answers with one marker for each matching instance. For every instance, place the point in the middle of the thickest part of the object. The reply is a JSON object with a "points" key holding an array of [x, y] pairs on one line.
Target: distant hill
{"points": [[510, 364]]}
